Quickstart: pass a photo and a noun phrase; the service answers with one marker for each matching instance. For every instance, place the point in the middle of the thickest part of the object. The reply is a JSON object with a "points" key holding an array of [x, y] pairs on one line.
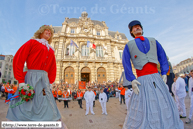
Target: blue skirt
{"points": [[41, 107], [153, 107]]}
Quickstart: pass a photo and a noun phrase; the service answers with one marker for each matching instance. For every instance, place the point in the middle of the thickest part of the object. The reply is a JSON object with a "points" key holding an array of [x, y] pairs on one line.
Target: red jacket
{"points": [[54, 93], [66, 94], [59, 92], [79, 94], [37, 57], [122, 91]]}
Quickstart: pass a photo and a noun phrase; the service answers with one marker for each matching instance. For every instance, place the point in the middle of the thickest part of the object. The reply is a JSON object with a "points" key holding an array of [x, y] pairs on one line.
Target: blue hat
{"points": [[132, 23]]}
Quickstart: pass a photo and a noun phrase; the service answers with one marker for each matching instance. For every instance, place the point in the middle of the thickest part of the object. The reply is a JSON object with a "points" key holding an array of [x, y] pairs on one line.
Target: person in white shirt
{"points": [[174, 92], [128, 93], [117, 92], [190, 91], [181, 94], [103, 100], [89, 96]]}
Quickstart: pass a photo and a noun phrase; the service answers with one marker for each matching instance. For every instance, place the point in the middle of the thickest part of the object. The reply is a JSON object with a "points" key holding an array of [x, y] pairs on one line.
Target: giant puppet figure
{"points": [[151, 105], [41, 64]]}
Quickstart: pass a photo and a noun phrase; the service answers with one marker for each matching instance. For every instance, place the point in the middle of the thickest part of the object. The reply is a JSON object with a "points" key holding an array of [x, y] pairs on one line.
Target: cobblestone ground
{"points": [[74, 117]]}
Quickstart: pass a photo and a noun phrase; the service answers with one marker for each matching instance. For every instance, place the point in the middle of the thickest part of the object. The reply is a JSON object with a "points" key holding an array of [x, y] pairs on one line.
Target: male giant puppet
{"points": [[151, 105]]}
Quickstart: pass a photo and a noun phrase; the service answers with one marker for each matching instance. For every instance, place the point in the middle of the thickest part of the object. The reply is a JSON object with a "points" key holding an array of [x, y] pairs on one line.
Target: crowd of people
{"points": [[73, 89], [183, 83], [67, 93], [7, 88]]}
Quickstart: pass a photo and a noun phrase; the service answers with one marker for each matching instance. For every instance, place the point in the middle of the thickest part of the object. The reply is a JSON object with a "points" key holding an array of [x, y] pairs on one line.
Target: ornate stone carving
{"points": [[84, 14], [85, 63], [73, 24]]}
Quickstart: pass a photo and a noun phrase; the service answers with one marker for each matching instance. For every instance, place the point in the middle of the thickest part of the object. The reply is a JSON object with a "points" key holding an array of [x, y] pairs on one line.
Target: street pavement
{"points": [[74, 117]]}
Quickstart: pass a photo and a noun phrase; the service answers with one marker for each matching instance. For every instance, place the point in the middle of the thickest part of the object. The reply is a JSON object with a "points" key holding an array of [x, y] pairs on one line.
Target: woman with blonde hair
{"points": [[41, 64]]}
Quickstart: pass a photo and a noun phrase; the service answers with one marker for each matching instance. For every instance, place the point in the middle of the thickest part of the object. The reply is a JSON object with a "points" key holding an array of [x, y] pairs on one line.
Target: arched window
{"points": [[6, 67], [85, 50], [5, 74], [70, 50], [120, 54], [98, 33], [9, 74], [99, 51], [72, 31], [10, 67]]}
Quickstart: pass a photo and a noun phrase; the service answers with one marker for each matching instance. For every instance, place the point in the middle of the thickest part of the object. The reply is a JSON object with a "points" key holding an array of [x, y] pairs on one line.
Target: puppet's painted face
{"points": [[137, 30], [46, 34]]}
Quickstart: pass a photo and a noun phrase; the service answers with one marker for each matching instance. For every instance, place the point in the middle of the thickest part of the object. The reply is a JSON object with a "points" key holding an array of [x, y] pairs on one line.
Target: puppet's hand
{"points": [[164, 77], [135, 87], [23, 86]]}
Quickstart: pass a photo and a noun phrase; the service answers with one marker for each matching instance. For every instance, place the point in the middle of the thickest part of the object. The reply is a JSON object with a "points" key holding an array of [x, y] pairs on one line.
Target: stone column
{"points": [[63, 49], [64, 27], [60, 72], [110, 71], [60, 48], [116, 72], [77, 73], [57, 80], [109, 49], [93, 72]]}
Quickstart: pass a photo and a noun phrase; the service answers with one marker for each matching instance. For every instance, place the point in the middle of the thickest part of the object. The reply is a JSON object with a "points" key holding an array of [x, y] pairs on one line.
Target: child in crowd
{"points": [[103, 100]]}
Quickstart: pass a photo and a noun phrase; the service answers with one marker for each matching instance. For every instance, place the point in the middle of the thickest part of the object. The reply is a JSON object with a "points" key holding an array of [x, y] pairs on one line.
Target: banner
{"points": [[93, 46], [82, 85], [73, 43], [88, 44]]}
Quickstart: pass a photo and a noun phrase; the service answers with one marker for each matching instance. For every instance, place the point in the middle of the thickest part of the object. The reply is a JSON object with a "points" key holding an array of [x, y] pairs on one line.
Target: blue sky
{"points": [[169, 21]]}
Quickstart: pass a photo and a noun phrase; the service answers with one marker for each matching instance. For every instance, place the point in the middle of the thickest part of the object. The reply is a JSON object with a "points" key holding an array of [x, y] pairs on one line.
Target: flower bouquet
{"points": [[26, 93]]}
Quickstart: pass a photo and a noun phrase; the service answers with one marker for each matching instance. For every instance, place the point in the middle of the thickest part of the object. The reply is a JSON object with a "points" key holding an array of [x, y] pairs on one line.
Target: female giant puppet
{"points": [[41, 64], [151, 106]]}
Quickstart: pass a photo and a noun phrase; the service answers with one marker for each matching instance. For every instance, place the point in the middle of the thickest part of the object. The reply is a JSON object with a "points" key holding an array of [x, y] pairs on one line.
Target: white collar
{"points": [[45, 42]]}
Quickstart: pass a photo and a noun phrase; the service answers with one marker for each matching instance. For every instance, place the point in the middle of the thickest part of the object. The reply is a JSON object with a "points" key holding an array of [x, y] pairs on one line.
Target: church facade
{"points": [[86, 50]]}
